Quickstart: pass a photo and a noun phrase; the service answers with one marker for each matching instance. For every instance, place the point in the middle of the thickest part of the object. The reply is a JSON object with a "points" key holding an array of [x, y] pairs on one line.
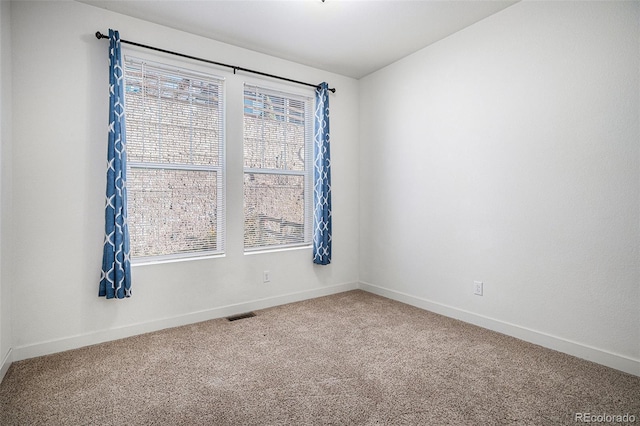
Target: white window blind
{"points": [[278, 131], [175, 154]]}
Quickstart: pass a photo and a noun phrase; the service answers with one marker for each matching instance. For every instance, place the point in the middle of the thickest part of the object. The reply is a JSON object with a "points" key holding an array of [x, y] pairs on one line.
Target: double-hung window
{"points": [[175, 154], [278, 132]]}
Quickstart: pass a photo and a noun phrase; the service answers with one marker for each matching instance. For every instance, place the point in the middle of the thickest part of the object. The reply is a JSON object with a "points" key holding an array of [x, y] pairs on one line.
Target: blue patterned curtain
{"points": [[115, 280], [322, 180]]}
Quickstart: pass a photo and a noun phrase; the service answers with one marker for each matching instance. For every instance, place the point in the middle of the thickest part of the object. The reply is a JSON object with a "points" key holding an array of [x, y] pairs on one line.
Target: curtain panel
{"points": [[115, 280], [322, 179]]}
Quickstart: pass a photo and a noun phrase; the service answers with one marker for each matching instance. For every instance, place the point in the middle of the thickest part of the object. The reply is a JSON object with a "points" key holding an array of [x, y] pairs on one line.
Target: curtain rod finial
{"points": [[99, 35]]}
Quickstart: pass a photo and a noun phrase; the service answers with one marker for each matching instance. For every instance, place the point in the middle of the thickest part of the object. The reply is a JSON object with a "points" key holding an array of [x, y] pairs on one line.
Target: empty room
{"points": [[319, 212]]}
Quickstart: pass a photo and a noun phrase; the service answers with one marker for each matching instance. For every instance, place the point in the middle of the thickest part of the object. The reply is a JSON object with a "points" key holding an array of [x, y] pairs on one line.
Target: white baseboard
{"points": [[6, 363], [619, 362], [78, 341], [599, 356]]}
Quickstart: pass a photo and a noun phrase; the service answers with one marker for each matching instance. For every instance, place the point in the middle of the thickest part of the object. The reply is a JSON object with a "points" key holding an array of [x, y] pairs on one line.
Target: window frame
{"points": [[191, 68], [297, 93]]}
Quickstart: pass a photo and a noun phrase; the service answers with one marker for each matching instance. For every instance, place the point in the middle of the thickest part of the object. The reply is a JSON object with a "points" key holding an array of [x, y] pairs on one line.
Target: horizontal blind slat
{"points": [[175, 136], [277, 143]]}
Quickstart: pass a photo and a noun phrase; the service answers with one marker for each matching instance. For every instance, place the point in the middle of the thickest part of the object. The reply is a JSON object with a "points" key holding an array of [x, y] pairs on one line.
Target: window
{"points": [[277, 169], [175, 154]]}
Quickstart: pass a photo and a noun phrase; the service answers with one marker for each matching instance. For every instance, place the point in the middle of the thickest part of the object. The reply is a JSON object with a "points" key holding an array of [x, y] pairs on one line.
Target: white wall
{"points": [[509, 153], [5, 186], [59, 132], [505, 153]]}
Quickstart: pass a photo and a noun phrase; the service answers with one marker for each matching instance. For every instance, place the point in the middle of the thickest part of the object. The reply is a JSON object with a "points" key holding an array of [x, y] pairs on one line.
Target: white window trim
{"points": [[221, 202], [287, 91]]}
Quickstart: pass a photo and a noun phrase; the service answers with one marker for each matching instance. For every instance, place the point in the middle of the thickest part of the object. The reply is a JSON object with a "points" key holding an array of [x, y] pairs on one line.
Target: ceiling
{"points": [[348, 37]]}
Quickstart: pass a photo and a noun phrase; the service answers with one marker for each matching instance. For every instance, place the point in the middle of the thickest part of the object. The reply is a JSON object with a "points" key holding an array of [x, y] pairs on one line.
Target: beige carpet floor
{"points": [[347, 359]]}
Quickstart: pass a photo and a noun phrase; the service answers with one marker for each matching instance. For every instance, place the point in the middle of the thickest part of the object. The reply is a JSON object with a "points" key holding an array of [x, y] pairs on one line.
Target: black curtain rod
{"points": [[235, 68]]}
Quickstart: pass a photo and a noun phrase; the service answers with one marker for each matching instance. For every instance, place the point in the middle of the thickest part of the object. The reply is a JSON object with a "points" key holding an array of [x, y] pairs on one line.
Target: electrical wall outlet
{"points": [[266, 277], [477, 288]]}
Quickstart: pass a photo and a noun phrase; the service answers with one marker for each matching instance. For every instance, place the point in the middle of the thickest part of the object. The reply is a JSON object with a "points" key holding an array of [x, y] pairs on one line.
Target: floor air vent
{"points": [[241, 316]]}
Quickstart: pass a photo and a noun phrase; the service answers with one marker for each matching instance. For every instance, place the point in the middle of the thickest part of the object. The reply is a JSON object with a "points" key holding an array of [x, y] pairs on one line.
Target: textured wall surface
{"points": [[508, 153], [60, 122], [5, 183]]}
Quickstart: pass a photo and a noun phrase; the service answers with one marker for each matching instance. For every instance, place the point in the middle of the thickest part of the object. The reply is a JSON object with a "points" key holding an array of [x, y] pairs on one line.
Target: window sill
{"points": [[145, 262], [276, 250]]}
